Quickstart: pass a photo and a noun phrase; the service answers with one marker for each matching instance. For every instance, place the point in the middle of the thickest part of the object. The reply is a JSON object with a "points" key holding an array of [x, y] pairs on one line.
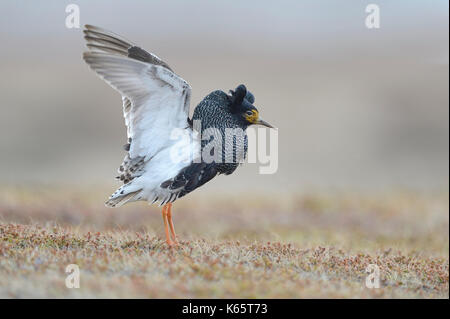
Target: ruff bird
{"points": [[155, 105]]}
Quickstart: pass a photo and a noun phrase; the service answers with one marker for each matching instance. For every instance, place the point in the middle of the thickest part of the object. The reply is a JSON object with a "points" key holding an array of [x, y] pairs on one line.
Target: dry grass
{"points": [[305, 246]]}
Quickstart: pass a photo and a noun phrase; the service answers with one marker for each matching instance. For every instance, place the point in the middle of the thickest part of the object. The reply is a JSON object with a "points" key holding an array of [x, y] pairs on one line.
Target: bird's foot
{"points": [[172, 243]]}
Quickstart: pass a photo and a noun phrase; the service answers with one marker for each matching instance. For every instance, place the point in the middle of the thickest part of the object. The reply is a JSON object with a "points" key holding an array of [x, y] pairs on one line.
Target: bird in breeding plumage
{"points": [[155, 105]]}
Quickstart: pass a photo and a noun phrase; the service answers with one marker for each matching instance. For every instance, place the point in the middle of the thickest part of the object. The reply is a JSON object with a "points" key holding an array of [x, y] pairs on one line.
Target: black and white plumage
{"points": [[155, 102]]}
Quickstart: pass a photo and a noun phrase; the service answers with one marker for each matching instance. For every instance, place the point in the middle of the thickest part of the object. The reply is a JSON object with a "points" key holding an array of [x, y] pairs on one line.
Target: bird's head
{"points": [[242, 106]]}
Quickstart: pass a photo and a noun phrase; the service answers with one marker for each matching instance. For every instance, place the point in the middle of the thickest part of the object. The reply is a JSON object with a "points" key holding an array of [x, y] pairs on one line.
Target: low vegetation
{"points": [[303, 246]]}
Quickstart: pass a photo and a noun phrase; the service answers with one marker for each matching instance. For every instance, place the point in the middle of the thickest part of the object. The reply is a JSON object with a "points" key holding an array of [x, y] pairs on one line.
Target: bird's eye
{"points": [[249, 113]]}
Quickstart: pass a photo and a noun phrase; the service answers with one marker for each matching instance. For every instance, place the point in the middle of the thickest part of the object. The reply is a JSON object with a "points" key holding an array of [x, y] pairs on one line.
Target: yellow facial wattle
{"points": [[252, 118]]}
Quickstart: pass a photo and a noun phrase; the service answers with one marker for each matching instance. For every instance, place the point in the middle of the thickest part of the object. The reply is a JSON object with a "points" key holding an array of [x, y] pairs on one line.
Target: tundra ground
{"points": [[301, 246]]}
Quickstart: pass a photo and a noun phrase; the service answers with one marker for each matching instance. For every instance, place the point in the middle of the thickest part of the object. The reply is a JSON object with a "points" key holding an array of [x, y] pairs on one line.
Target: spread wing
{"points": [[155, 99]]}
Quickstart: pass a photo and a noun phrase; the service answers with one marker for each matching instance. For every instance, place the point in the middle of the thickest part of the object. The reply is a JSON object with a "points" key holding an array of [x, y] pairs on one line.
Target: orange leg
{"points": [[169, 217], [166, 224]]}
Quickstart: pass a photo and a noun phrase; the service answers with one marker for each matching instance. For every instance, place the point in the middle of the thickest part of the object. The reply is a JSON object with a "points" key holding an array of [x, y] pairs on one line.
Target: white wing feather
{"points": [[159, 99]]}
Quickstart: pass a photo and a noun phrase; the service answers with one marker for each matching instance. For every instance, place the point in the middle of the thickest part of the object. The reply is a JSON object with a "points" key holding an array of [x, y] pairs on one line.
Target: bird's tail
{"points": [[119, 200]]}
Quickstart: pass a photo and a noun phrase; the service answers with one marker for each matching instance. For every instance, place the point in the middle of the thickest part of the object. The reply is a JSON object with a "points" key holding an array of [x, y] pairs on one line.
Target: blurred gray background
{"points": [[356, 108]]}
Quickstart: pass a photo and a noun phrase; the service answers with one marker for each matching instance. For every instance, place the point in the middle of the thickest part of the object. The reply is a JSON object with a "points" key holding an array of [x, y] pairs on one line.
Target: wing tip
{"points": [[90, 27], [88, 56], [95, 54]]}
